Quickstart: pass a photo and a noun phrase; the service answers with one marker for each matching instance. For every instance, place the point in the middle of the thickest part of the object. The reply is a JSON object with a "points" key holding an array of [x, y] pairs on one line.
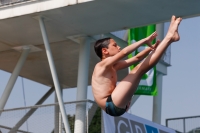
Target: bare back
{"points": [[103, 83]]}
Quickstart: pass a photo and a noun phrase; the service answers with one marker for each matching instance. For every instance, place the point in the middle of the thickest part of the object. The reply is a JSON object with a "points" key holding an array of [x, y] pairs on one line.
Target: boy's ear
{"points": [[104, 51]]}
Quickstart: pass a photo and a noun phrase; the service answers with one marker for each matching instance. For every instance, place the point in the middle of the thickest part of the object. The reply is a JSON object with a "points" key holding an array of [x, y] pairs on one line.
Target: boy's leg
{"points": [[126, 88]]}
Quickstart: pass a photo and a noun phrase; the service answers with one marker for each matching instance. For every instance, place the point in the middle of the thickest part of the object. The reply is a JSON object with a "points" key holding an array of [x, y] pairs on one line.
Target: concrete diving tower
{"points": [[49, 41]]}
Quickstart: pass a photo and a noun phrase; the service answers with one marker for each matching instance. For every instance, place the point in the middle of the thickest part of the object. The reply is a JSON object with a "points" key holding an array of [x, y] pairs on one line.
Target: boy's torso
{"points": [[103, 83]]}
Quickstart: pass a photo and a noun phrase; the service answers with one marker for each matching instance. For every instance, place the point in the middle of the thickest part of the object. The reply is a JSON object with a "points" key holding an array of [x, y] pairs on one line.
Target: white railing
{"points": [[41, 118]]}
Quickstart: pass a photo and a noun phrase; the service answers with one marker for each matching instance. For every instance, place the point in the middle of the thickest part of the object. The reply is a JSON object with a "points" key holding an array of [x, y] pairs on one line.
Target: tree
{"points": [[95, 126]]}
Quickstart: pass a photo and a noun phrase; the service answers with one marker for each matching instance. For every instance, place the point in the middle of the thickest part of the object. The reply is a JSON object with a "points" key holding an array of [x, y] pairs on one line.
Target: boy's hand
{"points": [[156, 44], [150, 38]]}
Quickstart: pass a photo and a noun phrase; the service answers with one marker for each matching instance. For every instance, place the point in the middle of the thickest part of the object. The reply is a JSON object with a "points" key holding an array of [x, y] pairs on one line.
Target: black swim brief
{"points": [[112, 110]]}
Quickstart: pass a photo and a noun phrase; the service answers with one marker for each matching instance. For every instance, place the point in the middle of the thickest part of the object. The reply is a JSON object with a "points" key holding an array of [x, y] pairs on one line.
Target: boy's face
{"points": [[113, 48]]}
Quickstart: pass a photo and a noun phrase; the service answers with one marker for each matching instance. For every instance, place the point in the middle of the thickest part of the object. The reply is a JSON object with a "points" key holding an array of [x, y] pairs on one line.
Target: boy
{"points": [[114, 99]]}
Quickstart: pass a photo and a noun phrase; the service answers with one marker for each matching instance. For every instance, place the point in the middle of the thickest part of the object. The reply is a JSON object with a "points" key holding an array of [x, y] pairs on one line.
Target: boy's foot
{"points": [[173, 29]]}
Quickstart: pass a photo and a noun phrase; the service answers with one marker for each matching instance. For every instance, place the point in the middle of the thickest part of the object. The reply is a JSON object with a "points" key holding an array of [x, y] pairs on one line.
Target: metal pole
{"points": [[13, 78], [24, 101], [60, 124], [82, 84], [54, 74], [166, 121], [18, 131], [102, 122], [134, 99], [184, 126], [31, 111], [157, 100], [56, 116]]}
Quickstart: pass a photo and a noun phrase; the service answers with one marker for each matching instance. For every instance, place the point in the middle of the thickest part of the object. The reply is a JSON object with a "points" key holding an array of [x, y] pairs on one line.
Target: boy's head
{"points": [[106, 47], [102, 43]]}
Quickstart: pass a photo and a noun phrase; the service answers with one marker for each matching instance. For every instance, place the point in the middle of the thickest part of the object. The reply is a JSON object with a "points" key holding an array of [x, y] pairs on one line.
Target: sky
{"points": [[181, 93]]}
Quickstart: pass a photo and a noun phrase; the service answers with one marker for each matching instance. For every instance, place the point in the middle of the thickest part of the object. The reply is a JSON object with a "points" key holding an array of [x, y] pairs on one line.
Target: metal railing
{"points": [[42, 118], [11, 2], [184, 124]]}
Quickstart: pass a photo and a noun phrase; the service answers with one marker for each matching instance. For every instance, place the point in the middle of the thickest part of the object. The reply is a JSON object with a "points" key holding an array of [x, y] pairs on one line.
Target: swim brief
{"points": [[112, 110]]}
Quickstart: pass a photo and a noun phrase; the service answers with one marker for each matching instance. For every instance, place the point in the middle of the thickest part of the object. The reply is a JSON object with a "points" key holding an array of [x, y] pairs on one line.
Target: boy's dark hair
{"points": [[102, 43]]}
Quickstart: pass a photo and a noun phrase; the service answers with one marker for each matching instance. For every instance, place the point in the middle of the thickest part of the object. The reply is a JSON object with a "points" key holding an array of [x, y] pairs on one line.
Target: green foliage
{"points": [[95, 126], [71, 120]]}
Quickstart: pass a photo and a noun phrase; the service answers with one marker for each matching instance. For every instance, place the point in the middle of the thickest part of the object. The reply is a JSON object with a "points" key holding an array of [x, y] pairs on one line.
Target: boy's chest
{"points": [[111, 75]]}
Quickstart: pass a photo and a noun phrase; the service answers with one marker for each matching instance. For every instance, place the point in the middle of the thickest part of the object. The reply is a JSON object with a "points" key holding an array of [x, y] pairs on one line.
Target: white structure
{"points": [[54, 61]]}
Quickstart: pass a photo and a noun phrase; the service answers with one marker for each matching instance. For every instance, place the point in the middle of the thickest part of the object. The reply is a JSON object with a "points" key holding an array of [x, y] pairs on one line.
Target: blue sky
{"points": [[180, 85]]}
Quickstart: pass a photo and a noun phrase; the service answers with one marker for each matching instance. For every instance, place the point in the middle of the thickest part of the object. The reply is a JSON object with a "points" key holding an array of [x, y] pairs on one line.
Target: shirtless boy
{"points": [[114, 99]]}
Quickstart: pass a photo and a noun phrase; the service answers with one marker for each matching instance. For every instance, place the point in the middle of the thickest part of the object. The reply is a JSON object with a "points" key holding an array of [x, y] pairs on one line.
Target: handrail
{"points": [[37, 106], [14, 2]]}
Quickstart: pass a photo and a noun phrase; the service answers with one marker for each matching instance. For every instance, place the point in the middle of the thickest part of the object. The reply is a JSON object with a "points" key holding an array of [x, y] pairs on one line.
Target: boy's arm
{"points": [[127, 50], [135, 59]]}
